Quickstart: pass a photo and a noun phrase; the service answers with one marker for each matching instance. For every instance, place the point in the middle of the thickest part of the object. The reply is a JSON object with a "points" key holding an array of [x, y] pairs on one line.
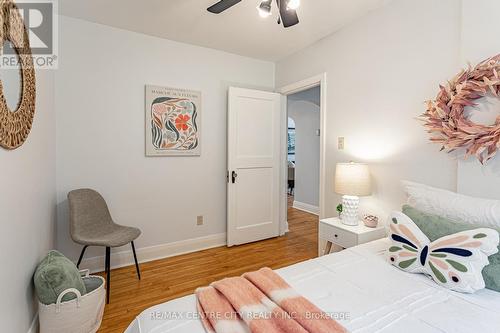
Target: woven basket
{"points": [[80, 315]]}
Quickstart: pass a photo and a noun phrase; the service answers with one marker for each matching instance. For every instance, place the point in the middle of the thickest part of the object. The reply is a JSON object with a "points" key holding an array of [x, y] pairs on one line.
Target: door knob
{"points": [[233, 176]]}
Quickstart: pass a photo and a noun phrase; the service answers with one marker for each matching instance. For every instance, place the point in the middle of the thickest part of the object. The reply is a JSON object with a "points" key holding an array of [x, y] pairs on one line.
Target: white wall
{"points": [[380, 70], [307, 143], [100, 131], [27, 210], [480, 31], [312, 95]]}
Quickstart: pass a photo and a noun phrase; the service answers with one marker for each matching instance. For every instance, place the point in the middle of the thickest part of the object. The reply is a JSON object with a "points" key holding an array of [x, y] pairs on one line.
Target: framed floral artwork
{"points": [[172, 122]]}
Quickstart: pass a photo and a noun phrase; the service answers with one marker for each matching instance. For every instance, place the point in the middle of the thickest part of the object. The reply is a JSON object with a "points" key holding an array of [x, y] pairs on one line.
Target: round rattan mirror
{"points": [[15, 124]]}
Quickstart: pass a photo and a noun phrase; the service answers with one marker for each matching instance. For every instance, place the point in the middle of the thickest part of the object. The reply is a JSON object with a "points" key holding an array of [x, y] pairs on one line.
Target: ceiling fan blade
{"points": [[222, 5], [288, 16]]}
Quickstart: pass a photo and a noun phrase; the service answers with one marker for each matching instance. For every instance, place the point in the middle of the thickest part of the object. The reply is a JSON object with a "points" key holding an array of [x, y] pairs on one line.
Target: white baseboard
{"points": [[34, 325], [306, 207], [145, 254]]}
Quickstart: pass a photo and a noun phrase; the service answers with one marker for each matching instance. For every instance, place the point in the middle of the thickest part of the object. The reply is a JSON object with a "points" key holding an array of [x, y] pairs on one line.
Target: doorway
{"points": [[303, 137], [303, 160], [257, 172]]}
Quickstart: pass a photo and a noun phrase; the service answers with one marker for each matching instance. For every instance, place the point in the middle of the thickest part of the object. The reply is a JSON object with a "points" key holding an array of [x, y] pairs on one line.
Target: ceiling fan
{"points": [[287, 9]]}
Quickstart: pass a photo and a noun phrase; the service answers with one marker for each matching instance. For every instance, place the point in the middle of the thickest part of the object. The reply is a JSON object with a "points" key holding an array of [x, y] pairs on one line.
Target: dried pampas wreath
{"points": [[15, 125], [446, 117]]}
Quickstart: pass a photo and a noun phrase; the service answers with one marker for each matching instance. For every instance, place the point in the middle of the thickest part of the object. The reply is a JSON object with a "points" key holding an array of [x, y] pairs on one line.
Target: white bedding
{"points": [[359, 283]]}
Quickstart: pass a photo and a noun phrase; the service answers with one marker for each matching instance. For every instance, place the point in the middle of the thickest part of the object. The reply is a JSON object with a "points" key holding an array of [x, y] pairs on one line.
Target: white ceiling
{"points": [[238, 30]]}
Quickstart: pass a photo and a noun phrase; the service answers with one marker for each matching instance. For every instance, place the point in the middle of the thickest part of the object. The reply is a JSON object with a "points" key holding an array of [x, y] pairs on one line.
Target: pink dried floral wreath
{"points": [[447, 119]]}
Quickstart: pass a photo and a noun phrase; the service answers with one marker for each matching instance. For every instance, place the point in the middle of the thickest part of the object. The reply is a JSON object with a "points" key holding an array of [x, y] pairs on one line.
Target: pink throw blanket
{"points": [[260, 302]]}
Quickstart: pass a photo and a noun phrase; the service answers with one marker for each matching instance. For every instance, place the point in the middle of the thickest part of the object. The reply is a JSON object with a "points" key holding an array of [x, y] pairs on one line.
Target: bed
{"points": [[366, 294]]}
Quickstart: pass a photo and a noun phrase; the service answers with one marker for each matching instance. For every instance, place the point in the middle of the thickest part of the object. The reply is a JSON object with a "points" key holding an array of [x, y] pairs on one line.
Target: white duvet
{"points": [[366, 294]]}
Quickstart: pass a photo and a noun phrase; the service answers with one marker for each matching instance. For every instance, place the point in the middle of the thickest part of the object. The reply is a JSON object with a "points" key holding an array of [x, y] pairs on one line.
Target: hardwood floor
{"points": [[170, 278]]}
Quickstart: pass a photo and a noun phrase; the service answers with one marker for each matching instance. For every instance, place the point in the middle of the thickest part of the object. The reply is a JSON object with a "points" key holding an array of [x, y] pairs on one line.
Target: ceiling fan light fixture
{"points": [[265, 8], [292, 4]]}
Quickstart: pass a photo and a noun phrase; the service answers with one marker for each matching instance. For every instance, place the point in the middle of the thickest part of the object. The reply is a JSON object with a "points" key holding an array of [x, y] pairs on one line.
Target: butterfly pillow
{"points": [[454, 261]]}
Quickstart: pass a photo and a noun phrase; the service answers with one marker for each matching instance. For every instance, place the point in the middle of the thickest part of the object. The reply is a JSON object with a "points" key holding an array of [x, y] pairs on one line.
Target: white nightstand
{"points": [[343, 236]]}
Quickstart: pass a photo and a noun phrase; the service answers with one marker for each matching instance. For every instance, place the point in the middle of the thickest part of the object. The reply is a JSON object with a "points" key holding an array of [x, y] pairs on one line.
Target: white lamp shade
{"points": [[352, 179]]}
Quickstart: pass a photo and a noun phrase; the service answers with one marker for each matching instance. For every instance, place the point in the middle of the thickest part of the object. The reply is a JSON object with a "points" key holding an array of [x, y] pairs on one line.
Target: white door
{"points": [[253, 165]]}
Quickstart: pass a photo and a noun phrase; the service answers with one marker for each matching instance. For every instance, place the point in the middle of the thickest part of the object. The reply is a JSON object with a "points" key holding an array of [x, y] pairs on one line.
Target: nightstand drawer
{"points": [[338, 236]]}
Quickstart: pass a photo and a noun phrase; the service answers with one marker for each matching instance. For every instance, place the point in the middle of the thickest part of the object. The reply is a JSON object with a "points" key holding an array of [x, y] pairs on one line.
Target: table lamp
{"points": [[352, 180]]}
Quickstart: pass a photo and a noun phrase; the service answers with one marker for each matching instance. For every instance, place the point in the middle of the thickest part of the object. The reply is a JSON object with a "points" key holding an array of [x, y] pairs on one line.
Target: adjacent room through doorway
{"points": [[303, 158]]}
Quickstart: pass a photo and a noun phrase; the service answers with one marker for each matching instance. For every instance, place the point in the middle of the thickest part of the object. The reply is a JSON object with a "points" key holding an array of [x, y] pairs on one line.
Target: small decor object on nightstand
{"points": [[339, 210], [352, 180], [371, 221]]}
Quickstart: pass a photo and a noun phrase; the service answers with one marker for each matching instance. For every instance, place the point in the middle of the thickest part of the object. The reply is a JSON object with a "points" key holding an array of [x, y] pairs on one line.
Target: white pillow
{"points": [[453, 206]]}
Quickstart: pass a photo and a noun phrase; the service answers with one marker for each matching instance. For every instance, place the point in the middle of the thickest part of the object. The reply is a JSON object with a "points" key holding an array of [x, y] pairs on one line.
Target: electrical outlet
{"points": [[341, 143], [199, 220]]}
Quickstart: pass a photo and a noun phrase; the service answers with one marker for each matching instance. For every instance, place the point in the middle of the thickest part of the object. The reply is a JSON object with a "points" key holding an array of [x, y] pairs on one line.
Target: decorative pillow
{"points": [[54, 274], [435, 227], [453, 206], [454, 261]]}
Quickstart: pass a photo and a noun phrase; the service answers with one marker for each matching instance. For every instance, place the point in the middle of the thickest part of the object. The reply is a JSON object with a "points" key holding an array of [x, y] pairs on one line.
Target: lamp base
{"points": [[350, 205]]}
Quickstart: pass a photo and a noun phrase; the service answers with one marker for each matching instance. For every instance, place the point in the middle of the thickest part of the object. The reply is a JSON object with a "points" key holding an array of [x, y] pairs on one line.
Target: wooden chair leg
{"points": [[136, 263], [108, 271], [81, 256]]}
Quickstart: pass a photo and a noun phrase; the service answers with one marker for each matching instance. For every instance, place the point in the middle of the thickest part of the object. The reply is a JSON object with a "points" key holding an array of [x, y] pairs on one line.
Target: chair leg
{"points": [[136, 263], [108, 269], [81, 256]]}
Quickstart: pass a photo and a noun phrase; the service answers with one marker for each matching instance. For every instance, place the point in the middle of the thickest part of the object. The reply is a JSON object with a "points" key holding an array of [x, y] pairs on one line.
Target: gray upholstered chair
{"points": [[91, 225]]}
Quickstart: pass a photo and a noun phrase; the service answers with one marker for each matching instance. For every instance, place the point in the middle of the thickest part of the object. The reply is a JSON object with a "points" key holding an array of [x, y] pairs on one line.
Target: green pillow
{"points": [[54, 274], [434, 227]]}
